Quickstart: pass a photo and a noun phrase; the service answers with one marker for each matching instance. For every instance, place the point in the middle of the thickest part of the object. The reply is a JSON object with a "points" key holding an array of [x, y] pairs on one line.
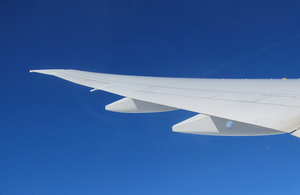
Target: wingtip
{"points": [[35, 71], [46, 71]]}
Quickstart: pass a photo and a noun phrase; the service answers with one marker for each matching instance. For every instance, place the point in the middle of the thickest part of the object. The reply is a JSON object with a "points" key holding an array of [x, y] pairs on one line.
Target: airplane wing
{"points": [[232, 107]]}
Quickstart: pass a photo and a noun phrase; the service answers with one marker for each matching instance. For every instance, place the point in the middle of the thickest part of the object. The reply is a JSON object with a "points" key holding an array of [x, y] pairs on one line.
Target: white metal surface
{"points": [[272, 104], [296, 133], [209, 125], [128, 105], [199, 124]]}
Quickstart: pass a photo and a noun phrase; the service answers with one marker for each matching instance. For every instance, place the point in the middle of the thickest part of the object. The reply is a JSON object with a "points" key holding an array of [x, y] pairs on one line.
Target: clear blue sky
{"points": [[56, 137]]}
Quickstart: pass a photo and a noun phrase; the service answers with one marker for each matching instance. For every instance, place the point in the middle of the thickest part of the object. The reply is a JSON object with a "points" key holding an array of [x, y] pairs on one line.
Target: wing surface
{"points": [[272, 104]]}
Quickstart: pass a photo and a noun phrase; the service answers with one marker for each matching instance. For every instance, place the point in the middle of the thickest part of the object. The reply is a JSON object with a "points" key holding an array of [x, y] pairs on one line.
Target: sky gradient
{"points": [[56, 137]]}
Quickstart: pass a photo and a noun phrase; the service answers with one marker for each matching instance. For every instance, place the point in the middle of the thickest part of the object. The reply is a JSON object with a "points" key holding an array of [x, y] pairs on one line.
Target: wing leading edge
{"points": [[232, 107]]}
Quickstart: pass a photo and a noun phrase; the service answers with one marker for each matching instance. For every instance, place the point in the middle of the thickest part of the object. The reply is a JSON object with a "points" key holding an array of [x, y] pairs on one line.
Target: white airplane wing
{"points": [[232, 107]]}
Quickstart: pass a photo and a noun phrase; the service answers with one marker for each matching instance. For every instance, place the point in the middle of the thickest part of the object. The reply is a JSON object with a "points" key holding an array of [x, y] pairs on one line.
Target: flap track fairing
{"points": [[129, 105]]}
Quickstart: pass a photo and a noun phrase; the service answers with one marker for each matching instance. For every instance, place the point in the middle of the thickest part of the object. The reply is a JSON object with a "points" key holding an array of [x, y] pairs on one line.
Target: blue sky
{"points": [[56, 137]]}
